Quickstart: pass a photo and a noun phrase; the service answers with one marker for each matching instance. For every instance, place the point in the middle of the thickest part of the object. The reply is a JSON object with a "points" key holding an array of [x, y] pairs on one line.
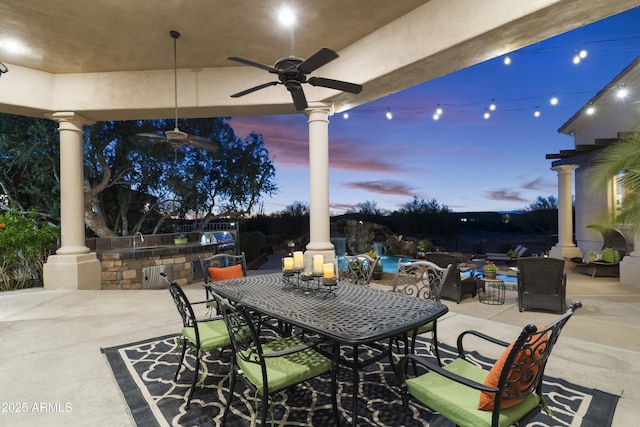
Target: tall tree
{"points": [[29, 164]]}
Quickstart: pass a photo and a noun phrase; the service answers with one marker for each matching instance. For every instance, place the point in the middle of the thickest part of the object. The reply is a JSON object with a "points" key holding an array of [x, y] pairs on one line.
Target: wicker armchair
{"points": [[542, 284], [455, 287]]}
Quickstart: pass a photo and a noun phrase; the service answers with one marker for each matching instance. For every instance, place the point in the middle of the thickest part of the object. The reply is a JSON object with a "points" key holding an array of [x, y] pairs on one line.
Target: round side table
{"points": [[492, 291]]}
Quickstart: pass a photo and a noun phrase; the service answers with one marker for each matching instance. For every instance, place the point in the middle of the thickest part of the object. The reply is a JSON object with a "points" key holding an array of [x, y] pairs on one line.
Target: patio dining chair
{"points": [[201, 335], [509, 393], [358, 269], [457, 284], [271, 367], [421, 279], [221, 267]]}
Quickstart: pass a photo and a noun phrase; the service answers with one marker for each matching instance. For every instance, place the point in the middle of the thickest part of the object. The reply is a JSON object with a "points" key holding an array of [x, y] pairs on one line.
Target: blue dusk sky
{"points": [[462, 160]]}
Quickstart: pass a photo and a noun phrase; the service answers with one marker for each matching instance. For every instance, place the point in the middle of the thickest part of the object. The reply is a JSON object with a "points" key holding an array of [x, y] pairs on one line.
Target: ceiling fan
{"points": [[292, 73], [176, 137]]}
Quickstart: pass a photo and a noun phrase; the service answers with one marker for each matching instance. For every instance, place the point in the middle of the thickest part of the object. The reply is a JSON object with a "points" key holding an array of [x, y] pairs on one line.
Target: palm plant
{"points": [[623, 156]]}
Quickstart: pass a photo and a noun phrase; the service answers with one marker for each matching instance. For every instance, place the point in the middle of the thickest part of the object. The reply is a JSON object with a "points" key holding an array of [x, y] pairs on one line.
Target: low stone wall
{"points": [[126, 273]]}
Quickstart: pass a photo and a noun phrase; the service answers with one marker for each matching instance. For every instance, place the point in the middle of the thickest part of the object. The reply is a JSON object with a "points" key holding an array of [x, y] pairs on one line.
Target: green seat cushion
{"points": [[458, 402], [287, 370], [422, 329], [213, 334]]}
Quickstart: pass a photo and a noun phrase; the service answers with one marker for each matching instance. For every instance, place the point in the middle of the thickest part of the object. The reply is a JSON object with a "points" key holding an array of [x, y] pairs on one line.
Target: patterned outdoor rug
{"points": [[144, 371]]}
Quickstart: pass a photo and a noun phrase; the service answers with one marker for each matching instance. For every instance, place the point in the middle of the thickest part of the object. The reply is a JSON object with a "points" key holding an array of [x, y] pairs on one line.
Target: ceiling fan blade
{"points": [[203, 143], [253, 89], [299, 100], [253, 64], [317, 60], [150, 136], [335, 84]]}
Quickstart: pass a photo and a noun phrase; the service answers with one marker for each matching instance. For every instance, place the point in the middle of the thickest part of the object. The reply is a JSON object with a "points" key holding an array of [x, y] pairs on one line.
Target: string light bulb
{"points": [[583, 53], [345, 116], [492, 106], [553, 100], [507, 60], [486, 115], [536, 113], [576, 59], [439, 110], [622, 92], [389, 114]]}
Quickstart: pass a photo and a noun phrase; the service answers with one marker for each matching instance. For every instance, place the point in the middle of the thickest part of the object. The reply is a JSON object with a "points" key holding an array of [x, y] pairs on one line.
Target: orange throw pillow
{"points": [[523, 359], [225, 273]]}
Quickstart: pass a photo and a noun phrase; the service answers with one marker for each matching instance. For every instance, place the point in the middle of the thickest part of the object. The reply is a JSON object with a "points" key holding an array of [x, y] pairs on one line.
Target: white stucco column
{"points": [[73, 266], [565, 248], [319, 217]]}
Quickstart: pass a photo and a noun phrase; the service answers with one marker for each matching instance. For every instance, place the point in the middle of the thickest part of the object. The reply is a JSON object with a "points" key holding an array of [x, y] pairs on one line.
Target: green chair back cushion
{"points": [[610, 255]]}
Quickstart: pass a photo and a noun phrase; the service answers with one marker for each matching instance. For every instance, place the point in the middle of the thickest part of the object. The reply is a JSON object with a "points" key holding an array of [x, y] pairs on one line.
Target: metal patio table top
{"points": [[356, 315]]}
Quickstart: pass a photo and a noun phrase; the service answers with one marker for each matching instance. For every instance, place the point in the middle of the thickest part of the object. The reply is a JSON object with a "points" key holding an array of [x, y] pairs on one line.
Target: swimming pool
{"points": [[390, 264]]}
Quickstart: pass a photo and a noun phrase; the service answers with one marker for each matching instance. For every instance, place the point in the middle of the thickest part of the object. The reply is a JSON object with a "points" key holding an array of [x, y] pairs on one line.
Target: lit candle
{"points": [[318, 261], [287, 263], [328, 272], [298, 260]]}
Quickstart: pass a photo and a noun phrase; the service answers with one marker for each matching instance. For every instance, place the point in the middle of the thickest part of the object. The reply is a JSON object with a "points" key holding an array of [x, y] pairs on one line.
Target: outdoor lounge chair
{"points": [[456, 285], [542, 284], [510, 393], [614, 248], [509, 257]]}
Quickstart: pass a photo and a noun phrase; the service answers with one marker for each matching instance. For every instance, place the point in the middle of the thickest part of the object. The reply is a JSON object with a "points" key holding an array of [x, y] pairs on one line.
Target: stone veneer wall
{"points": [[118, 273]]}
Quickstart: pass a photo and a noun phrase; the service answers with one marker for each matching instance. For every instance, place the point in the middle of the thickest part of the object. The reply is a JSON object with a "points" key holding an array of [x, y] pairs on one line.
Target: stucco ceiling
{"points": [[84, 36], [112, 59]]}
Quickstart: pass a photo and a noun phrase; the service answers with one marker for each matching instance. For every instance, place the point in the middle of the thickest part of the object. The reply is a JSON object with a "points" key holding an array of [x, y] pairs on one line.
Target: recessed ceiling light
{"points": [[13, 46], [286, 16]]}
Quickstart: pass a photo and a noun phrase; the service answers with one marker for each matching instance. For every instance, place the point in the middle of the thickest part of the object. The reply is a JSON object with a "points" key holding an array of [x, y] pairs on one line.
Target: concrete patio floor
{"points": [[50, 346]]}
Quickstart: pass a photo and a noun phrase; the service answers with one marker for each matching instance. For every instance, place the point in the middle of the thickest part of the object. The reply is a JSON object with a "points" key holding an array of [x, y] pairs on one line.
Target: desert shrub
{"points": [[252, 244]]}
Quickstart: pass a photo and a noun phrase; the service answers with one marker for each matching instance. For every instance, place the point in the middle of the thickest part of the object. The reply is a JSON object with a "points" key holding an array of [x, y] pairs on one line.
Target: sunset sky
{"points": [[462, 160]]}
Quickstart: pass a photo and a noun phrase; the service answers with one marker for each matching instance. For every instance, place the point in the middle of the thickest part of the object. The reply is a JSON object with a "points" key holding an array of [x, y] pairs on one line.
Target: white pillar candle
{"points": [[287, 263], [318, 261], [298, 260], [328, 272]]}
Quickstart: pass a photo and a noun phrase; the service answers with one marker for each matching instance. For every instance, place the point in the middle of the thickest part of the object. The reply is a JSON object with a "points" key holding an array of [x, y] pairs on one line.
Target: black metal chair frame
{"points": [[244, 330], [189, 320], [517, 378], [421, 279], [357, 269], [455, 288]]}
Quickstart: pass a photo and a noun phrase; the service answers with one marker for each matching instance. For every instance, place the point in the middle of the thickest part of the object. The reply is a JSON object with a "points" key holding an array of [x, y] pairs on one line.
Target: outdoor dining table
{"points": [[356, 316]]}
